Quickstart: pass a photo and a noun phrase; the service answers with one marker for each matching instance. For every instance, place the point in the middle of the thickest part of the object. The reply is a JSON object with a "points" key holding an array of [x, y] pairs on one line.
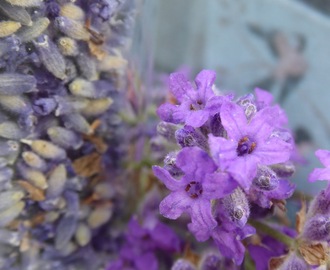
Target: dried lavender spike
{"points": [[35, 177], [65, 230], [14, 84], [56, 182], [87, 66], [77, 122], [99, 216], [71, 28], [34, 161], [64, 137], [83, 88], [8, 28], [68, 46], [25, 3], [29, 33], [16, 13], [11, 213], [10, 130], [51, 56], [97, 106], [8, 198], [69, 104], [83, 234], [9, 237], [72, 11], [46, 149], [6, 174], [15, 104]]}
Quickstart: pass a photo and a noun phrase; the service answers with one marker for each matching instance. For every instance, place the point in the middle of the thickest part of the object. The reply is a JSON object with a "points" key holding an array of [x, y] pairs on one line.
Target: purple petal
{"points": [[202, 221], [223, 151], [164, 176], [273, 151], [213, 105], [260, 126], [319, 174], [263, 97], [146, 261], [165, 238], [197, 118], [233, 119], [228, 245], [246, 231], [170, 113], [323, 156], [175, 204], [196, 162], [243, 170], [212, 183], [284, 190], [204, 81], [179, 85], [261, 256]]}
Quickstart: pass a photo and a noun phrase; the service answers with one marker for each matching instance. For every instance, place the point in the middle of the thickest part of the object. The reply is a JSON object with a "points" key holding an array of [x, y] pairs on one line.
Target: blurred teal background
{"points": [[281, 46]]}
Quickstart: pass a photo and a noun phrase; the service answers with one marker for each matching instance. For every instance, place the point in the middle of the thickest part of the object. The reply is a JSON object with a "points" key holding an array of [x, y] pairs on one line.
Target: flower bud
{"points": [[29, 33], [265, 179], [317, 228], [16, 13], [183, 264], [283, 170], [189, 137], [7, 28]]}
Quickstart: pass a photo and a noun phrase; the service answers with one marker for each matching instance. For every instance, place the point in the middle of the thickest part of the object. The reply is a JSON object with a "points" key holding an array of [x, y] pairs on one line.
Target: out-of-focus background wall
{"points": [[281, 46]]}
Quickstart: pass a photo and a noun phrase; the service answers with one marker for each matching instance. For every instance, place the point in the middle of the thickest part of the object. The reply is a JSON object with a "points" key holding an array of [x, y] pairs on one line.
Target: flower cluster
{"points": [[233, 165], [61, 67]]}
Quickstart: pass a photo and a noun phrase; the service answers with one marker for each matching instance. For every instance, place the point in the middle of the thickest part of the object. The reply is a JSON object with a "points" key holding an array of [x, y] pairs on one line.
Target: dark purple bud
{"points": [[52, 10], [284, 170], [44, 106], [266, 179], [189, 137], [167, 130], [217, 128], [317, 228], [233, 210]]}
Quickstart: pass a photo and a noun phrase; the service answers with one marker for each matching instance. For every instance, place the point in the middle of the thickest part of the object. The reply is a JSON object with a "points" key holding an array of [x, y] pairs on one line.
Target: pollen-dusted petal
{"points": [[11, 130], [64, 137], [68, 46], [18, 14], [96, 107], [78, 123], [46, 149], [72, 11], [51, 57], [16, 104], [65, 230], [56, 182], [28, 33], [83, 234], [71, 28], [8, 28], [14, 84], [8, 215], [25, 3], [8, 198]]}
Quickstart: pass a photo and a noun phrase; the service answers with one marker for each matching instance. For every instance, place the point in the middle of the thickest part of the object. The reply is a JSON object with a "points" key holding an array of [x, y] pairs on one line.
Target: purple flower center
{"points": [[245, 146], [194, 189], [198, 105]]}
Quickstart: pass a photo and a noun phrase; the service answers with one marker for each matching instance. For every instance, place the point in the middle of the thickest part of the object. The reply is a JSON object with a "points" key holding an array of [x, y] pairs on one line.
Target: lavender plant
{"points": [[229, 173]]}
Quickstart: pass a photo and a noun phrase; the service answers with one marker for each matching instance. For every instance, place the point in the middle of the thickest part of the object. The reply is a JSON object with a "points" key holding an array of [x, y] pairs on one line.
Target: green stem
{"points": [[266, 229]]}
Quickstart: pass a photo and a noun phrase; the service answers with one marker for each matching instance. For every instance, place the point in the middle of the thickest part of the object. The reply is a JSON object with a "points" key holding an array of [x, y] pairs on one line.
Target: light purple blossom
{"points": [[196, 105], [249, 144], [321, 173]]}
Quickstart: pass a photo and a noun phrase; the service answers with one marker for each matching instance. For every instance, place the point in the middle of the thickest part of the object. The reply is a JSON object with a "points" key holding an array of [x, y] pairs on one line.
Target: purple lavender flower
{"points": [[249, 144], [321, 173], [195, 190], [196, 105]]}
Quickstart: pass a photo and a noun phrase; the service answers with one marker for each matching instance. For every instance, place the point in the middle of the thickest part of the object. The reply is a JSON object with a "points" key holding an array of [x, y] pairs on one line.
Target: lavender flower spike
{"points": [[321, 173], [194, 192], [196, 105]]}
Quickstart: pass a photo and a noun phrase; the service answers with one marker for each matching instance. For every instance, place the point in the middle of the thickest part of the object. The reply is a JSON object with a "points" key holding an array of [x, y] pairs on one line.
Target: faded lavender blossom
{"points": [[234, 156], [61, 66]]}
